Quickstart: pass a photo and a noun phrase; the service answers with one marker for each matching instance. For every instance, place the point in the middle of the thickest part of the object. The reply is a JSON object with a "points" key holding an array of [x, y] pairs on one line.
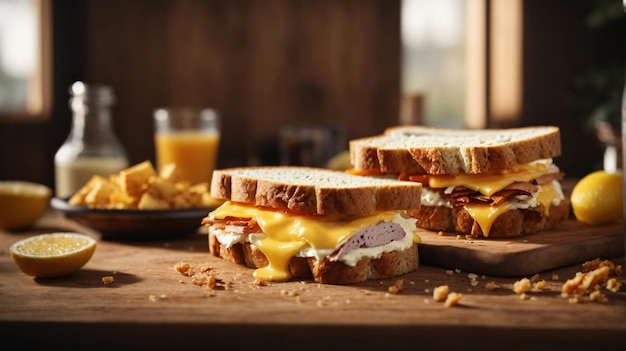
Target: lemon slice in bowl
{"points": [[22, 203], [52, 255]]}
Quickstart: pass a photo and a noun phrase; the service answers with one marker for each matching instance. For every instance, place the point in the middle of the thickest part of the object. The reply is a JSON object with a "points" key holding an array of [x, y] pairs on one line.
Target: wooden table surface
{"points": [[150, 304]]}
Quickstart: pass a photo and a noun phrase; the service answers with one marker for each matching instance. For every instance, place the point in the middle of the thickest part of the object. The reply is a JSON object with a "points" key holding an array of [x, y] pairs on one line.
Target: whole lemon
{"points": [[22, 203], [597, 198]]}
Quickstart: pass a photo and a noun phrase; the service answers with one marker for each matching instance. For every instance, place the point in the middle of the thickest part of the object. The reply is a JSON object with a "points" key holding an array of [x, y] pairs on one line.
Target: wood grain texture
{"points": [[571, 243], [262, 64], [152, 305]]}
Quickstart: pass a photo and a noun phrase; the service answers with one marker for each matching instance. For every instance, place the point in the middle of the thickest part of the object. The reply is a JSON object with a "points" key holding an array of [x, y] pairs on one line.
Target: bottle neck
{"points": [[94, 121], [91, 118]]}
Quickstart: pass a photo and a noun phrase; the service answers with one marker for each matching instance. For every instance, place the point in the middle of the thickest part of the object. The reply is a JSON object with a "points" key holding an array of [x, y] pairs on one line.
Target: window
{"points": [[464, 59], [25, 59], [433, 38]]}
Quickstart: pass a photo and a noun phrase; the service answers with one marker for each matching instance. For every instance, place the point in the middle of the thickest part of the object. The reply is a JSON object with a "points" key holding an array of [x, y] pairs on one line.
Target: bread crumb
{"points": [[449, 272], [204, 279], [259, 282], [397, 286], [540, 285], [521, 286], [492, 285], [452, 299], [201, 275], [598, 297], [596, 263], [589, 266], [555, 276], [524, 296], [289, 293], [534, 278], [585, 282], [183, 268], [440, 293], [613, 285], [108, 280], [573, 299]]}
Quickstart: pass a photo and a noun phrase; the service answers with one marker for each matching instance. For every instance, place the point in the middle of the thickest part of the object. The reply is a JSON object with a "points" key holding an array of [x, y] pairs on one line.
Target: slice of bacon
{"points": [[548, 177], [461, 195]]}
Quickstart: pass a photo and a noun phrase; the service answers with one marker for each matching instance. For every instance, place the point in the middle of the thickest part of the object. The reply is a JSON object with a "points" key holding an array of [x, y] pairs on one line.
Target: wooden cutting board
{"points": [[572, 243]]}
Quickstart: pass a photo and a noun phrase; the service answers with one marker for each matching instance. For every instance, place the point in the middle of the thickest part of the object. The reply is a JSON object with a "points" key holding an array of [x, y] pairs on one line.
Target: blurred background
{"points": [[363, 64]]}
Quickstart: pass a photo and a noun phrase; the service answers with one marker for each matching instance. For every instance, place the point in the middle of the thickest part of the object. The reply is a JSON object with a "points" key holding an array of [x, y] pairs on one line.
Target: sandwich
{"points": [[330, 226], [480, 183]]}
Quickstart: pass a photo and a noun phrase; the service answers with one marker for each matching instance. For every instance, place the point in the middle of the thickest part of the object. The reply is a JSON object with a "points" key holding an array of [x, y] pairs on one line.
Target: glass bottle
{"points": [[91, 147]]}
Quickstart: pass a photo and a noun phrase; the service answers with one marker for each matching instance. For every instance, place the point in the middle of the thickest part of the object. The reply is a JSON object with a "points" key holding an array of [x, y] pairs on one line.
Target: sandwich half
{"points": [[481, 183], [309, 223]]}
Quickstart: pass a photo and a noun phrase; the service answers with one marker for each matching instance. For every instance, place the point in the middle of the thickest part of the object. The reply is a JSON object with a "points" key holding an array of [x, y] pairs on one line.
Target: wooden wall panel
{"points": [[262, 64]]}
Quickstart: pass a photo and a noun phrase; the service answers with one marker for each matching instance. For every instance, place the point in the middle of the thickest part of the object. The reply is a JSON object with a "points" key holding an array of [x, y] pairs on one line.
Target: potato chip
{"points": [[140, 187]]}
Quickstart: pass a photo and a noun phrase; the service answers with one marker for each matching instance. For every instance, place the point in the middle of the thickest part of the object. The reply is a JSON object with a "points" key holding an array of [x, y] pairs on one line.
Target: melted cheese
{"points": [[490, 183], [286, 234], [547, 195], [485, 215]]}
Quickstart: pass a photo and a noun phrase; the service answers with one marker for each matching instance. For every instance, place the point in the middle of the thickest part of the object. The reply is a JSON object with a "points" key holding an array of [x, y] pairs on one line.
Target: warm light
{"points": [[506, 62], [476, 69], [25, 57]]}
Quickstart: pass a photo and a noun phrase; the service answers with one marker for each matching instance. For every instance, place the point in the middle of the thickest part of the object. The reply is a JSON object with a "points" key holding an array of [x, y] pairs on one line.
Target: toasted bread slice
{"points": [[510, 224], [429, 150], [388, 265], [314, 190]]}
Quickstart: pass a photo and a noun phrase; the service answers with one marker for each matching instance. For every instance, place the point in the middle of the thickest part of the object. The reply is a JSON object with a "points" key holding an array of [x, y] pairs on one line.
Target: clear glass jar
{"points": [[91, 148]]}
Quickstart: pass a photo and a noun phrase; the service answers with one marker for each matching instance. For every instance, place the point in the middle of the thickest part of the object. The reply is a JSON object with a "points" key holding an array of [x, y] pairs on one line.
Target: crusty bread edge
{"points": [[512, 223], [474, 160], [226, 184], [388, 265]]}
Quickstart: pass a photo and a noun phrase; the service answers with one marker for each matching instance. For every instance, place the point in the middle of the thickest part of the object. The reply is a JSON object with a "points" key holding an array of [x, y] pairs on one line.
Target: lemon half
{"points": [[22, 203], [52, 255], [597, 198]]}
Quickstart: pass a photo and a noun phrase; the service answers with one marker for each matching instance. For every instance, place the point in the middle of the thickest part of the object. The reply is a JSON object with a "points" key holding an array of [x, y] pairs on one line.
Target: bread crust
{"points": [[389, 265], [430, 150], [510, 224], [323, 192]]}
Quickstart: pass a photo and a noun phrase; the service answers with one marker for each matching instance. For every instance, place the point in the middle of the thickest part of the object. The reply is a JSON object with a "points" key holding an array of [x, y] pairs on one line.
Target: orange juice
{"points": [[194, 153]]}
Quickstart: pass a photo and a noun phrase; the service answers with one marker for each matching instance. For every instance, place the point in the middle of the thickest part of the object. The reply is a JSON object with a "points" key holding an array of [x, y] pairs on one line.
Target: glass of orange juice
{"points": [[188, 137]]}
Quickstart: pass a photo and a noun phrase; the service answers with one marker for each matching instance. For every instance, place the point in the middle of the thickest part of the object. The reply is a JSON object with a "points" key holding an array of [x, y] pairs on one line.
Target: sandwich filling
{"points": [[486, 196], [281, 235]]}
